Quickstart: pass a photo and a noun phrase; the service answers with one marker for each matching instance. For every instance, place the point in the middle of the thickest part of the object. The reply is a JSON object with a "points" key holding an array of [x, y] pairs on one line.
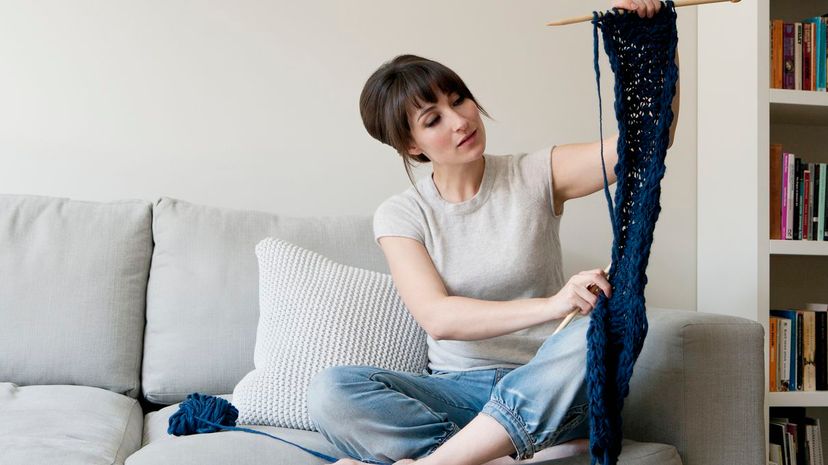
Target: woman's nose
{"points": [[461, 123]]}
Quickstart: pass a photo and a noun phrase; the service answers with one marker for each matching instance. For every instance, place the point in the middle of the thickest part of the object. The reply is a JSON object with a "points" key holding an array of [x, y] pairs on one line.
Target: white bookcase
{"points": [[740, 270]]}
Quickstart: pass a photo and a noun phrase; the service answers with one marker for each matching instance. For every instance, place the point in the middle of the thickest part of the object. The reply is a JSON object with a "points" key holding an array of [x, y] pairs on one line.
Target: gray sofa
{"points": [[112, 312]]}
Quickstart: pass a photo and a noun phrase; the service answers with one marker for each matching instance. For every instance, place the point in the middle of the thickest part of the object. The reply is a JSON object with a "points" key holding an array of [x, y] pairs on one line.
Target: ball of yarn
{"points": [[189, 419]]}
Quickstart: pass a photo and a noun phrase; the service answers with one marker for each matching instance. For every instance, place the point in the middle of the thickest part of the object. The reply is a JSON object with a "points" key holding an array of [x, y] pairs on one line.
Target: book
{"points": [[772, 349], [815, 200], [789, 180], [806, 56], [797, 201], [798, 56], [789, 192], [788, 32], [822, 207], [783, 356], [809, 351], [820, 353], [776, 54], [789, 355], [811, 204], [775, 178], [806, 202]]}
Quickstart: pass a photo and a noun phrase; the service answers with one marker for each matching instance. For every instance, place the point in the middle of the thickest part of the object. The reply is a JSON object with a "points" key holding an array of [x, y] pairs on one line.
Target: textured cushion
{"points": [[73, 280], [202, 300], [67, 425], [252, 449], [316, 313]]}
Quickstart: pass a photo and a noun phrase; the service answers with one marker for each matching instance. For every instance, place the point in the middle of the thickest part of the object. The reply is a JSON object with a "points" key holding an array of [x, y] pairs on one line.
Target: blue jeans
{"points": [[381, 416]]}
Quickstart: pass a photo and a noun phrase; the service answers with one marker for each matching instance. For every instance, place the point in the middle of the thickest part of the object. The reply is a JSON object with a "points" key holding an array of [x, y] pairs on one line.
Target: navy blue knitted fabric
{"points": [[641, 53]]}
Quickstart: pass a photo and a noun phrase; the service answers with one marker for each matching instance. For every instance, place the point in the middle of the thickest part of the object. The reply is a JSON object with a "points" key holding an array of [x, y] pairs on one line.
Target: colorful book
{"points": [[776, 54], [775, 189], [807, 56], [791, 355], [798, 56], [789, 190], [788, 39], [772, 349]]}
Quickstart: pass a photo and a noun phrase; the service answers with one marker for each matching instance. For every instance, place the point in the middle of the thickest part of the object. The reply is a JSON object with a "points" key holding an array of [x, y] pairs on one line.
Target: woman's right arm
{"points": [[462, 318]]}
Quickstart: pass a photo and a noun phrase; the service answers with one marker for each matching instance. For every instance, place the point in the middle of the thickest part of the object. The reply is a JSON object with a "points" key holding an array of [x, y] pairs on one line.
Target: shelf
{"points": [[798, 399], [799, 248], [798, 107]]}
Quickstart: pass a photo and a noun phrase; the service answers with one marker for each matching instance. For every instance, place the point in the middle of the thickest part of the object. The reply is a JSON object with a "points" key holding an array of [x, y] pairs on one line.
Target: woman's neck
{"points": [[458, 183]]}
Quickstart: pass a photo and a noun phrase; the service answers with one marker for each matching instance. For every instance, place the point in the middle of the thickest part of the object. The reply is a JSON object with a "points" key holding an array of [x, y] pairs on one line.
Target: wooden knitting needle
{"points": [[591, 288], [677, 3]]}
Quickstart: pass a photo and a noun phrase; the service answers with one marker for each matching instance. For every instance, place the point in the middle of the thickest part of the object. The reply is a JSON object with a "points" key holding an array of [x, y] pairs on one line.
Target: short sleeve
{"points": [[534, 170], [399, 217]]}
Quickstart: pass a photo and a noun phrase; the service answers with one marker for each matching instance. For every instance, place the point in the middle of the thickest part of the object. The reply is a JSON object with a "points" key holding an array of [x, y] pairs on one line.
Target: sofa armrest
{"points": [[699, 385]]}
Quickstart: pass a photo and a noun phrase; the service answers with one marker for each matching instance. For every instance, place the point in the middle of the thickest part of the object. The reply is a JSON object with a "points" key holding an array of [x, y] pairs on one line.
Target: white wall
{"points": [[254, 104]]}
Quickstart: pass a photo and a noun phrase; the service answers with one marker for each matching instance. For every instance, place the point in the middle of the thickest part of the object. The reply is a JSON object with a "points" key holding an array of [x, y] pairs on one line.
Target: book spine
{"points": [[798, 56], [772, 341], [823, 208], [785, 196], [790, 193], [797, 216], [819, 359], [807, 56], [776, 53], [822, 66], [817, 207], [812, 219], [810, 351], [806, 202], [775, 199], [784, 359], [800, 354], [788, 56]]}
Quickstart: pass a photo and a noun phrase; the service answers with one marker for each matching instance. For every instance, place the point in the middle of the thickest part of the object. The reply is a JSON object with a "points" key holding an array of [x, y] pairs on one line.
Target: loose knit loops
{"points": [[641, 53]]}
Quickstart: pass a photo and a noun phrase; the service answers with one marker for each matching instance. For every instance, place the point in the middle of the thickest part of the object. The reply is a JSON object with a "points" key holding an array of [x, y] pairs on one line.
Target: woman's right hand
{"points": [[575, 293]]}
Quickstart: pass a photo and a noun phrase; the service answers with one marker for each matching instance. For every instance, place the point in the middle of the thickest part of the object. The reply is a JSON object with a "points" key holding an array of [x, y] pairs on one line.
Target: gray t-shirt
{"points": [[502, 244]]}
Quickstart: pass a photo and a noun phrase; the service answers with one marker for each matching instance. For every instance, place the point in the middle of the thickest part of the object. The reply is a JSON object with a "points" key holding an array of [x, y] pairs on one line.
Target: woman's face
{"points": [[438, 128]]}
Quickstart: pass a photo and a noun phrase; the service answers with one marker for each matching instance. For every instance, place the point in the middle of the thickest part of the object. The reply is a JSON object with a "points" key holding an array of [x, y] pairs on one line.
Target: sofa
{"points": [[111, 313]]}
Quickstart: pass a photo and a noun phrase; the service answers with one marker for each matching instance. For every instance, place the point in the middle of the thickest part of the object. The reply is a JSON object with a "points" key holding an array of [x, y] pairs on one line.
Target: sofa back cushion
{"points": [[73, 280], [203, 294]]}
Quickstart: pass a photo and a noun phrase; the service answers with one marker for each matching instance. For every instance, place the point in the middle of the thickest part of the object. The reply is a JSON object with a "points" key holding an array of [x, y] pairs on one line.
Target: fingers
{"points": [[644, 8], [598, 278], [586, 300]]}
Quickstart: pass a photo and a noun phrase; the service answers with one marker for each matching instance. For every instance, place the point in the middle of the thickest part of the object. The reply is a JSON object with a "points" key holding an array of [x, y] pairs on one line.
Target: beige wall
{"points": [[255, 105]]}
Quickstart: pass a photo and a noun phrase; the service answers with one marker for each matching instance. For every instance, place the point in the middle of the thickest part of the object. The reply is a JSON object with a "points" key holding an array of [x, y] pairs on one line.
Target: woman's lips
{"points": [[469, 139]]}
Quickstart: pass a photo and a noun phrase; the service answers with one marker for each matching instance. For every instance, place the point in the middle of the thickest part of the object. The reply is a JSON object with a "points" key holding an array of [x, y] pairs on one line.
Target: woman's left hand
{"points": [[644, 8]]}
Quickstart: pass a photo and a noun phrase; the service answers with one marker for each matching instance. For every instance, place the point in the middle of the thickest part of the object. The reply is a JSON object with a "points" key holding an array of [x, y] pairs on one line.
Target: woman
{"points": [[473, 251]]}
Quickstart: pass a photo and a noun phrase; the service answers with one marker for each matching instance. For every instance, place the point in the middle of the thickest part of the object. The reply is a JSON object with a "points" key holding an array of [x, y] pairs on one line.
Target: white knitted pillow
{"points": [[314, 314]]}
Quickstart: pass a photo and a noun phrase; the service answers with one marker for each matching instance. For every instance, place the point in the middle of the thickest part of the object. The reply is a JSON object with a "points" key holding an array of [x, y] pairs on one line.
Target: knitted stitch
{"points": [[641, 53]]}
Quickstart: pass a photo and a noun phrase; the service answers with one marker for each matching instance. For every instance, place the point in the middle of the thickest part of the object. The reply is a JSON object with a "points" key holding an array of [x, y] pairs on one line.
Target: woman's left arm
{"points": [[576, 168]]}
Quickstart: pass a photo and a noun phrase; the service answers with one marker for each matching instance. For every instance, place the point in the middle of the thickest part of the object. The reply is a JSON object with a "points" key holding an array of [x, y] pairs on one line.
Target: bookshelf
{"points": [[740, 271]]}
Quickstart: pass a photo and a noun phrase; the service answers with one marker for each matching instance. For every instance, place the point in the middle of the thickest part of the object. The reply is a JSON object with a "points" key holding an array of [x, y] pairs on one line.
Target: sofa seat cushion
{"points": [[242, 448], [67, 425]]}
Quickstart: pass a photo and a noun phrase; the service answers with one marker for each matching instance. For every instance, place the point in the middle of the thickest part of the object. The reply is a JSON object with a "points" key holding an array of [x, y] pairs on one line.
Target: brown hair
{"points": [[400, 84]]}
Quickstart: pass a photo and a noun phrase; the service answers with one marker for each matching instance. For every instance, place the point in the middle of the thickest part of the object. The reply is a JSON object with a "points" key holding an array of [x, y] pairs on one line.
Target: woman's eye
{"points": [[433, 122], [458, 101]]}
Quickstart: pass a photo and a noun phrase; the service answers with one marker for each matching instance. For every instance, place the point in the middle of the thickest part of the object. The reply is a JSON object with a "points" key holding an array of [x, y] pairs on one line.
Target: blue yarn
{"points": [[201, 413], [641, 53]]}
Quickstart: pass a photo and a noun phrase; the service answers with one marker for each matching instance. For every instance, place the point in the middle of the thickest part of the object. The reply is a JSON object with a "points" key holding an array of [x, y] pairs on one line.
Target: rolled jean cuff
{"points": [[515, 428]]}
